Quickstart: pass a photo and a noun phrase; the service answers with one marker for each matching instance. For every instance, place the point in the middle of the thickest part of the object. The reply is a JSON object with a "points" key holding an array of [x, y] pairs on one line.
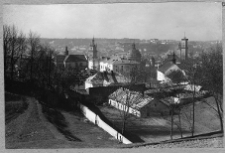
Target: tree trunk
{"points": [[193, 114], [49, 74], [219, 113], [181, 133], [31, 66], [12, 62], [171, 130], [123, 128]]}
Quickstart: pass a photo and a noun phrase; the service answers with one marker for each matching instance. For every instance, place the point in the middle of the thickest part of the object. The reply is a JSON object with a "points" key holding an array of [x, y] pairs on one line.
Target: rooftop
{"points": [[72, 58], [166, 66], [136, 99]]}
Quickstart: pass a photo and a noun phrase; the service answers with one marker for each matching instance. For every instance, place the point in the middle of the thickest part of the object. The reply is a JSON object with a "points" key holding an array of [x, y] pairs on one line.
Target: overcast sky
{"points": [[199, 20]]}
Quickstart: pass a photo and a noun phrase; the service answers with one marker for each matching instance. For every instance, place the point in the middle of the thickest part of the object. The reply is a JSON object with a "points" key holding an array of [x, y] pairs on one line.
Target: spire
{"points": [[93, 41]]}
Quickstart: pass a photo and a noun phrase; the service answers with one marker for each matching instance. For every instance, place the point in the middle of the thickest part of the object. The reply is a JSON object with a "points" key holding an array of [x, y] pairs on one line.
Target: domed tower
{"points": [[134, 54]]}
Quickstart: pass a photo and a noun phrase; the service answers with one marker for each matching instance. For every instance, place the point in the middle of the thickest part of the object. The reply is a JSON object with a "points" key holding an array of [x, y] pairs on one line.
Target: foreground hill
{"points": [[32, 129]]}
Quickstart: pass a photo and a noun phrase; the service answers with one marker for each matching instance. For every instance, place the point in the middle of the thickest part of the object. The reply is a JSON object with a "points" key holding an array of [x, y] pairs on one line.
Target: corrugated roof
{"points": [[136, 99]]}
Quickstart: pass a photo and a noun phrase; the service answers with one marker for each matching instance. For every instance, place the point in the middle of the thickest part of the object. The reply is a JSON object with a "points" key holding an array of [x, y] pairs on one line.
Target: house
{"points": [[106, 64], [59, 61], [192, 87], [75, 61], [94, 64], [165, 70], [158, 108], [105, 79], [95, 80], [71, 61], [171, 101], [131, 101], [122, 64]]}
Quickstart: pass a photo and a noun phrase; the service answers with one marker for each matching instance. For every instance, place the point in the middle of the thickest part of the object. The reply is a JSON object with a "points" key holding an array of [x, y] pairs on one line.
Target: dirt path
{"points": [[32, 130], [27, 127]]}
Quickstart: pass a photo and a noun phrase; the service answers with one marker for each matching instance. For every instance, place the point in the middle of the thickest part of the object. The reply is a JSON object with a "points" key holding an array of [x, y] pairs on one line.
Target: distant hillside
{"points": [[108, 47]]}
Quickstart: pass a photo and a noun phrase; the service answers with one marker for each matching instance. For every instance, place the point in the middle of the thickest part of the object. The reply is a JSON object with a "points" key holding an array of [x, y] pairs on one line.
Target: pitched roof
{"points": [[126, 62], [112, 79], [95, 79], [60, 59], [75, 58], [170, 58], [136, 99], [166, 66]]}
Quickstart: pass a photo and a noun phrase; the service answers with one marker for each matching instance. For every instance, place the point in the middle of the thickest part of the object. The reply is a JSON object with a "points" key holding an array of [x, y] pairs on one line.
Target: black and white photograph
{"points": [[113, 75]]}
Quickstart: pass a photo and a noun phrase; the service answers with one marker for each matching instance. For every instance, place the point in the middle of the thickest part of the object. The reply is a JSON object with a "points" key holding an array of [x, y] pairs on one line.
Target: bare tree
{"points": [[14, 47], [192, 80], [193, 76], [126, 99], [171, 117], [130, 78], [33, 42], [178, 124], [211, 70], [6, 46]]}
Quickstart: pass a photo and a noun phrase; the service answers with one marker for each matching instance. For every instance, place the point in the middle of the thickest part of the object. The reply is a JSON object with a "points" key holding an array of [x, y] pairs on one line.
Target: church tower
{"points": [[94, 49], [95, 54], [184, 48]]}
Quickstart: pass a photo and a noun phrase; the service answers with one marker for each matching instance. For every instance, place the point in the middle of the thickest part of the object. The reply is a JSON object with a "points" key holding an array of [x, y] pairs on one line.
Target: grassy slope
{"points": [[14, 106], [29, 130]]}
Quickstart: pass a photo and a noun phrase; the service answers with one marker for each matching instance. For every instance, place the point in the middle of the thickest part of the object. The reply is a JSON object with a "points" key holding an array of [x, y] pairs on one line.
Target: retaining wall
{"points": [[94, 118]]}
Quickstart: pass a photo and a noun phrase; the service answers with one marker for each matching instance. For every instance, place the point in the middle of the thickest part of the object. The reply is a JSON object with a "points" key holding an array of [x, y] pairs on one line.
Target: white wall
{"points": [[105, 65], [87, 85], [120, 106], [160, 76], [90, 65], [94, 118]]}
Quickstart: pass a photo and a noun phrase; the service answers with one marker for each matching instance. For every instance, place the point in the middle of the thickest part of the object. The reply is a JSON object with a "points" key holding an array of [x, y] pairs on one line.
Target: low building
{"points": [[94, 64], [131, 101], [104, 79], [75, 61], [165, 70]]}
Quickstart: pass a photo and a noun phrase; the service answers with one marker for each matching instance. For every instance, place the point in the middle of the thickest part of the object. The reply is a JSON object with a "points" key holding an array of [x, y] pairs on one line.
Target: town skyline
{"points": [[138, 21]]}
